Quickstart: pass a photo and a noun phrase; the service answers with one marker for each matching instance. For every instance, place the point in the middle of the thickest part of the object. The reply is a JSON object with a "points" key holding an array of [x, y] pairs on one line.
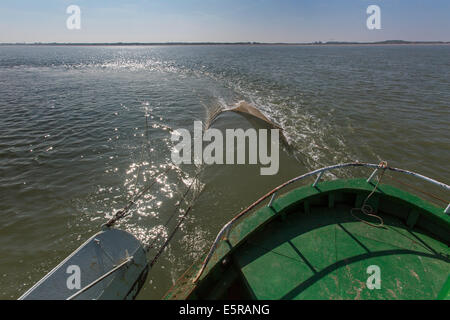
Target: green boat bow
{"points": [[315, 242]]}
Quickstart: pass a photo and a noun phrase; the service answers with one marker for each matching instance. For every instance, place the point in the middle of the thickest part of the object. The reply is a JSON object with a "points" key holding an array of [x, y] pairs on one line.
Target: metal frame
{"points": [[93, 283], [227, 228]]}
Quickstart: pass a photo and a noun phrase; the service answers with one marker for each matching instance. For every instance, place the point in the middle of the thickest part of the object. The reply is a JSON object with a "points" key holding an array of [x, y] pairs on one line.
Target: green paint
{"points": [[320, 251], [445, 292]]}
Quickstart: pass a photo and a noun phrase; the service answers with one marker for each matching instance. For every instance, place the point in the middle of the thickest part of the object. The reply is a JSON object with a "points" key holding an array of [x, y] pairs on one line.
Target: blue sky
{"points": [[223, 20]]}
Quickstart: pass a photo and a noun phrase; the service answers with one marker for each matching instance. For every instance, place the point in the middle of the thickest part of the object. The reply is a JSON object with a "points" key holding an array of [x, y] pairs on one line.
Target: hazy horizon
{"points": [[264, 21], [387, 41]]}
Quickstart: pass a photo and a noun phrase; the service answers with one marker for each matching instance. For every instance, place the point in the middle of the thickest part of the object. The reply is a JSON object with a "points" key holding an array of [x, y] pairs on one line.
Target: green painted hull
{"points": [[308, 245]]}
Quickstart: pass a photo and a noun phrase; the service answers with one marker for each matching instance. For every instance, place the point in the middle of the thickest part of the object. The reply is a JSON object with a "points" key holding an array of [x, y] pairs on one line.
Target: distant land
{"points": [[390, 42]]}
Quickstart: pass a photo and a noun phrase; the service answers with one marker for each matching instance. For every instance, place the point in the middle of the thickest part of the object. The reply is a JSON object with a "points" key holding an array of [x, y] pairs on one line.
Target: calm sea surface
{"points": [[73, 136]]}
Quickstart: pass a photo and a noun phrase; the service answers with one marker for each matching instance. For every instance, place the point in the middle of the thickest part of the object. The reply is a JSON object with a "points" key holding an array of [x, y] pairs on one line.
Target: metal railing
{"points": [[382, 166]]}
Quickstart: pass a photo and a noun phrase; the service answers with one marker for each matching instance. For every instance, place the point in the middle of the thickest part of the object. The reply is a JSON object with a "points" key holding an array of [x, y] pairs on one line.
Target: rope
{"points": [[179, 279], [366, 208], [125, 211], [166, 243], [142, 152], [298, 178], [173, 214]]}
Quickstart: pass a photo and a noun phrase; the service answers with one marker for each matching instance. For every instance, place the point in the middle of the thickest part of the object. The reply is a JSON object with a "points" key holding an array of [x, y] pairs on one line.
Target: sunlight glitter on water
{"points": [[73, 99]]}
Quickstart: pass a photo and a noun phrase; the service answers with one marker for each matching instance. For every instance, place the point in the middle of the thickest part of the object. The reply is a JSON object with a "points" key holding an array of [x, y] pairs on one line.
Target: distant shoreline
{"points": [[318, 43]]}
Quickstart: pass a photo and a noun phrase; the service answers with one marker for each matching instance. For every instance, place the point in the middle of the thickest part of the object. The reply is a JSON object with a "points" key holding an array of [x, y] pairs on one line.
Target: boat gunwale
{"points": [[267, 214], [51, 273], [226, 229]]}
